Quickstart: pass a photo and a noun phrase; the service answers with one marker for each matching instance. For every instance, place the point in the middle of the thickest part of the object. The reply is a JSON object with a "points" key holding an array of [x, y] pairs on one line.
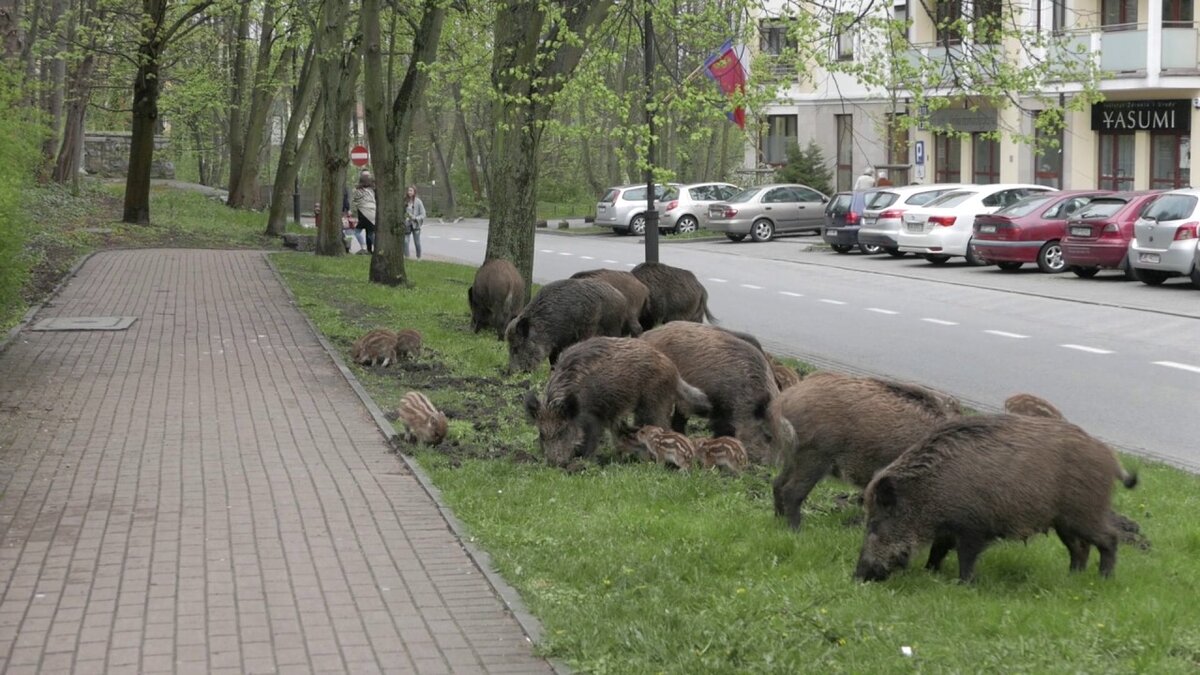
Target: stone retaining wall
{"points": [[106, 153]]}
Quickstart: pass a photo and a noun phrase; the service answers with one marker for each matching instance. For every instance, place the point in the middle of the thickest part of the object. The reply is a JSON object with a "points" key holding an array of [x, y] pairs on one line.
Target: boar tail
{"points": [[1128, 479], [694, 399]]}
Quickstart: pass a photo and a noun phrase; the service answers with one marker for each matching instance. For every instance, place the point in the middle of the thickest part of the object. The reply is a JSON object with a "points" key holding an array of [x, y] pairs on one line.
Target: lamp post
{"points": [[651, 212]]}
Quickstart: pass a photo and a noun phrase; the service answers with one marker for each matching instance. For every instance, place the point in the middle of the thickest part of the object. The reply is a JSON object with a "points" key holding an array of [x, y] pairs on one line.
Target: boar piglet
{"points": [[980, 478], [595, 385], [375, 346], [565, 312], [725, 452], [495, 296], [422, 420]]}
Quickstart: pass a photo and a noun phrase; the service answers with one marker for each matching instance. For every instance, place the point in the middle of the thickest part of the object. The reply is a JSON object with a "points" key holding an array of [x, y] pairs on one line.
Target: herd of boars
{"points": [[633, 344]]}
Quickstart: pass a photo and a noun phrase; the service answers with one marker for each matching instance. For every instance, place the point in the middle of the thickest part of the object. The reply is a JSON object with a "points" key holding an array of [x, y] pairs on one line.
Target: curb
{"points": [[29, 315], [507, 594]]}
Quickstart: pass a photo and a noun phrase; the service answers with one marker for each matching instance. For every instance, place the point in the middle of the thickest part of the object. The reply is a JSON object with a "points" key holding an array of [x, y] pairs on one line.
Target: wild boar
{"points": [[734, 375], [408, 343], [666, 447], [851, 427], [980, 478], [496, 296], [725, 452], [595, 385], [565, 312], [675, 295], [1028, 404], [375, 346], [785, 376], [635, 292], [422, 421]]}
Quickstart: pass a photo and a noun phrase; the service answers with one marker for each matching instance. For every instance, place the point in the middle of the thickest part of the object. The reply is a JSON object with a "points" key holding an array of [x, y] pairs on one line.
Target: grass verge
{"points": [[633, 569]]}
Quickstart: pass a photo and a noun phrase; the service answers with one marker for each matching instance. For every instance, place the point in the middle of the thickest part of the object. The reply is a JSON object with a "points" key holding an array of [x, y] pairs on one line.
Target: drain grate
{"points": [[85, 323]]}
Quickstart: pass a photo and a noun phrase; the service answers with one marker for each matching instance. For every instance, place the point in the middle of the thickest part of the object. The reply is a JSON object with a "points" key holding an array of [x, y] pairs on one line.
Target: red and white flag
{"points": [[730, 68]]}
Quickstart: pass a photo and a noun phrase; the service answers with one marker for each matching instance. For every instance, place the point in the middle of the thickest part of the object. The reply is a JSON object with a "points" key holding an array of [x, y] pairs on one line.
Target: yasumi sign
{"points": [[359, 155], [1116, 116]]}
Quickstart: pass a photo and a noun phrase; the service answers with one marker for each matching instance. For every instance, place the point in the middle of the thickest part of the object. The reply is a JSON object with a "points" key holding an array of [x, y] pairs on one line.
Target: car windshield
{"points": [[611, 195], [1100, 208], [841, 203], [1026, 206], [1171, 207], [670, 193], [881, 199], [951, 199], [745, 195], [923, 198]]}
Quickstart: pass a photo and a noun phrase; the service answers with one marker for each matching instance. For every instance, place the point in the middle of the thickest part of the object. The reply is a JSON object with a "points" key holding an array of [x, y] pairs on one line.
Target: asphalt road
{"points": [[1119, 358]]}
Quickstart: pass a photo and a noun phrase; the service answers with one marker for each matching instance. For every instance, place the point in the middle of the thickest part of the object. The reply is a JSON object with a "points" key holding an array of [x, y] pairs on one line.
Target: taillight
{"points": [[672, 204], [730, 212], [1186, 231], [851, 217], [1110, 230], [944, 221], [891, 214]]}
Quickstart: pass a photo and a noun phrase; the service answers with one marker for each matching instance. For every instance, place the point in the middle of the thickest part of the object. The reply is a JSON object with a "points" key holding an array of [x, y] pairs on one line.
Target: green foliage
{"points": [[808, 167], [19, 158]]}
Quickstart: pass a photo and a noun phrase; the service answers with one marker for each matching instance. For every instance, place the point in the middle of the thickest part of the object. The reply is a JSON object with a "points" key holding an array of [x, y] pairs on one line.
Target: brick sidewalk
{"points": [[203, 492]]}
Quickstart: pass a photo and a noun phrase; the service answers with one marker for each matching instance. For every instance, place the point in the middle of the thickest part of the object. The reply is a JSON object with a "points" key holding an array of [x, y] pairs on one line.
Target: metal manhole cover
{"points": [[85, 323]]}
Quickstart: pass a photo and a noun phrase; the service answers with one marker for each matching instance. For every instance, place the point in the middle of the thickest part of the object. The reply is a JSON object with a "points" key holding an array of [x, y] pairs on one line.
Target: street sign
{"points": [[919, 153], [359, 155]]}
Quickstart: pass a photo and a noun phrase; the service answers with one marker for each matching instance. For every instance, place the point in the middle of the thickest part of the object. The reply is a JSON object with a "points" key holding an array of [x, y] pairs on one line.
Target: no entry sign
{"points": [[359, 155]]}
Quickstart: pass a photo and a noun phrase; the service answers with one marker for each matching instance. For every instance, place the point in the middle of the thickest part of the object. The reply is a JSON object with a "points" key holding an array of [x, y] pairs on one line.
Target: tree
{"points": [[390, 129], [156, 32], [269, 67], [292, 153], [338, 62], [807, 166]]}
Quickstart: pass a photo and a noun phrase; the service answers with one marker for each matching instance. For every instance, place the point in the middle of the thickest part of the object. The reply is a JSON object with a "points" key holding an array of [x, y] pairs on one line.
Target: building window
{"points": [[988, 22], [781, 135], [1058, 15], [897, 150], [1118, 14], [947, 158], [948, 20], [845, 151], [1047, 156], [1170, 161], [900, 15], [1177, 13], [1116, 162], [986, 153], [845, 36], [775, 37]]}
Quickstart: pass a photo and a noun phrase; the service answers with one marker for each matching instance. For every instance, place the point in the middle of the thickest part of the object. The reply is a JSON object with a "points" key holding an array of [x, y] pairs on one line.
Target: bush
{"points": [[807, 166], [19, 156]]}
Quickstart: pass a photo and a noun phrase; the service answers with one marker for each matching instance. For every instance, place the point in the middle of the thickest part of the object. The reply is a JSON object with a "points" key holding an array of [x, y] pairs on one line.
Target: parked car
{"points": [[684, 208], [1029, 231], [942, 228], [767, 210], [843, 218], [1098, 235], [1164, 239], [623, 208], [885, 211]]}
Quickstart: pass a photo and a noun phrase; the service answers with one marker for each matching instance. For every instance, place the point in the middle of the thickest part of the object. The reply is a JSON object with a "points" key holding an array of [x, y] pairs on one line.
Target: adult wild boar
{"points": [[734, 375], [496, 296], [562, 313], [851, 427], [635, 292], [675, 295], [980, 478], [597, 383]]}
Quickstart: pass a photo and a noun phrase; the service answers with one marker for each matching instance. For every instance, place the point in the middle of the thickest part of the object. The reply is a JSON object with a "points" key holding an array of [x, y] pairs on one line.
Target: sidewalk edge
{"points": [[26, 320], [507, 594]]}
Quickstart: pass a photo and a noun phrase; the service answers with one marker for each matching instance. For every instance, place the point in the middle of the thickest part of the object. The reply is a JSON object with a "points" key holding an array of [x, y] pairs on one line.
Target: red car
{"points": [[1098, 236], [1029, 231]]}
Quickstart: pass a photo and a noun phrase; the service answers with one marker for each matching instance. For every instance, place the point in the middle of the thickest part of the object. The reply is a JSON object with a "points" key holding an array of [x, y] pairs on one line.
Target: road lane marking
{"points": [[832, 302], [1180, 366], [791, 294], [473, 241], [614, 262], [586, 257], [881, 311], [565, 253], [718, 281], [752, 287], [941, 322], [1090, 350], [631, 264], [1002, 333], [455, 238], [546, 250], [433, 236]]}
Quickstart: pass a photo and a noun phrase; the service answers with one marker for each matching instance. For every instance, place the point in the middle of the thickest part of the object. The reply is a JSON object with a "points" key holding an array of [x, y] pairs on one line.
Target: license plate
{"points": [[1148, 257], [868, 222], [1081, 231], [989, 229], [916, 227]]}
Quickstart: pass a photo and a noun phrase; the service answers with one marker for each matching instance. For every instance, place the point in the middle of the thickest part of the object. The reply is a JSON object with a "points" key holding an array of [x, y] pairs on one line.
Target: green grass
{"points": [[556, 211], [633, 569]]}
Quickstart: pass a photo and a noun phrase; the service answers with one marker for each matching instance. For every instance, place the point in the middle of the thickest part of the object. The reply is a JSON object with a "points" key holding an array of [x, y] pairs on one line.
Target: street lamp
{"points": [[651, 213]]}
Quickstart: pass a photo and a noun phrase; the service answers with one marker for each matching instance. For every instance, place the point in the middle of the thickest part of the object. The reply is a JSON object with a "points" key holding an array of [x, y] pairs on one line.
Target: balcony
{"points": [[1125, 50]]}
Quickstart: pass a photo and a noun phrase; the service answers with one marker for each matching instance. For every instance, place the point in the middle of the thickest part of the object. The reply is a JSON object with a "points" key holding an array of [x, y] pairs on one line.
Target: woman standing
{"points": [[363, 201], [414, 217]]}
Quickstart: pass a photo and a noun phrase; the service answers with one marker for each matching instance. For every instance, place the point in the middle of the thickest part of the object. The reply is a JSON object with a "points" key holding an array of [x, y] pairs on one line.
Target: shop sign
{"points": [[964, 121], [1117, 116]]}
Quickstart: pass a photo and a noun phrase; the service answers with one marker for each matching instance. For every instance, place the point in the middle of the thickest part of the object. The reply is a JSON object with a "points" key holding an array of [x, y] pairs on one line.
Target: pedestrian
{"points": [[883, 180], [866, 181], [363, 201], [414, 217]]}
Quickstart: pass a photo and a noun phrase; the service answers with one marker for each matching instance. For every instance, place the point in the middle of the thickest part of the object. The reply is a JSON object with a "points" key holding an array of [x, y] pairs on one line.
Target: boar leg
{"points": [[679, 421], [970, 545], [792, 486], [1077, 547], [942, 545], [1108, 553]]}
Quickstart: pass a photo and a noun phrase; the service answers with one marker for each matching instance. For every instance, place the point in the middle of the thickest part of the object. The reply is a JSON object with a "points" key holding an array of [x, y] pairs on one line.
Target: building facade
{"points": [[1139, 137]]}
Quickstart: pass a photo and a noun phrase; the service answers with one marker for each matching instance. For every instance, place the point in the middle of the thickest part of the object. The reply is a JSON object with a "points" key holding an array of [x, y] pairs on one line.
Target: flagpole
{"points": [[694, 73]]}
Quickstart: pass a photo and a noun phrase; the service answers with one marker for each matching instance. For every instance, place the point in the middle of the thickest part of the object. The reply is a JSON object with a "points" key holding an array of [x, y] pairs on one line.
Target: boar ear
{"points": [[885, 492], [532, 404], [570, 406]]}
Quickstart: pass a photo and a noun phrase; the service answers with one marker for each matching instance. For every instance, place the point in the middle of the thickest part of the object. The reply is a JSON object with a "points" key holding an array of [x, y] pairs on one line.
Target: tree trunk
{"points": [[265, 85], [468, 146], [237, 101], [10, 30], [292, 152], [203, 166], [66, 168], [443, 173], [141, 143], [58, 78], [339, 63]]}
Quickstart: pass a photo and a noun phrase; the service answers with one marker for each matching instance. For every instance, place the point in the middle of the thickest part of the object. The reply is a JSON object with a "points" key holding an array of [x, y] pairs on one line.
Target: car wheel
{"points": [[736, 237], [621, 231], [762, 230], [686, 224], [1050, 258], [1127, 269], [1009, 265], [638, 224], [937, 259], [870, 249], [1085, 272], [1194, 275], [1149, 277], [973, 257], [841, 248], [895, 252]]}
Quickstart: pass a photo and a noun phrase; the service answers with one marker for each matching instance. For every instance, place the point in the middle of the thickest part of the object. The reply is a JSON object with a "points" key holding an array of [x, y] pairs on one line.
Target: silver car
{"points": [[1164, 239], [684, 208], [623, 208], [884, 215], [767, 210]]}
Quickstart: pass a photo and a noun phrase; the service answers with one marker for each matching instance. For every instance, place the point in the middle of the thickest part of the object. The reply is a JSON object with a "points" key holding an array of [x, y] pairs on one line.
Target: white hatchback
{"points": [[1164, 239], [884, 215], [942, 228]]}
